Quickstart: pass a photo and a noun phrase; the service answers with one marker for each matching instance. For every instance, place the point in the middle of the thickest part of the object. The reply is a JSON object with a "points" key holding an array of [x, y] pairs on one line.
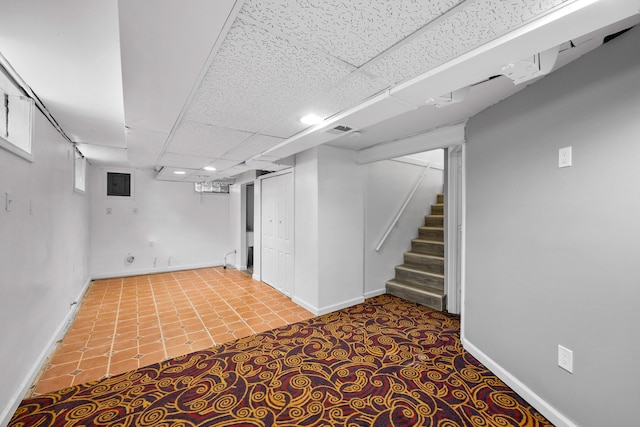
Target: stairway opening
{"points": [[421, 278]]}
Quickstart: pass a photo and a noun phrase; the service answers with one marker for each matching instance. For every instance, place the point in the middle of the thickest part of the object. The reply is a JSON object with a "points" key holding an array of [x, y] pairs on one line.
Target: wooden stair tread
{"points": [[419, 240], [421, 277], [419, 270], [420, 288], [418, 254]]}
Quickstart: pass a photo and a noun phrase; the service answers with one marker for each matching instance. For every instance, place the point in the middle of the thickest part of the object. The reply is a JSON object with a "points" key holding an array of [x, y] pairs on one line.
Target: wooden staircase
{"points": [[421, 278]]}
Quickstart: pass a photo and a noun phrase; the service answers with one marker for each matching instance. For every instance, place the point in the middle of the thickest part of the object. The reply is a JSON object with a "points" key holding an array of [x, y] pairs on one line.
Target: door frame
{"points": [[452, 138], [454, 226]]}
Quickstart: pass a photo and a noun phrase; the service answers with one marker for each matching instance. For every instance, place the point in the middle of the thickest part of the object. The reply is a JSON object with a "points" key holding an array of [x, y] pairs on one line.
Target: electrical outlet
{"points": [[564, 157], [135, 211], [108, 211], [565, 358]]}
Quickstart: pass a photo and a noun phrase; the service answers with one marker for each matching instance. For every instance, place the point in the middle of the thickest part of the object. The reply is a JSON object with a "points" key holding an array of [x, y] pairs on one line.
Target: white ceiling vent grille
{"points": [[339, 130]]}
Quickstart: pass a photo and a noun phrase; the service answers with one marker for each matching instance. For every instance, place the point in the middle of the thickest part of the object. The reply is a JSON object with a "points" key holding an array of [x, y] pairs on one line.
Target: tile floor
{"points": [[126, 323]]}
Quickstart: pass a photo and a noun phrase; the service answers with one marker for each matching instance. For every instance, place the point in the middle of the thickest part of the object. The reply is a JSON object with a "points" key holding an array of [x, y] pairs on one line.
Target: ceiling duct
{"points": [[534, 66], [339, 130]]}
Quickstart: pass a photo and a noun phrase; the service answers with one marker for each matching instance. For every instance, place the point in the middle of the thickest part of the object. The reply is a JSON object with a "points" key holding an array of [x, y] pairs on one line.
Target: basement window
{"points": [[16, 119], [79, 172], [212, 187]]}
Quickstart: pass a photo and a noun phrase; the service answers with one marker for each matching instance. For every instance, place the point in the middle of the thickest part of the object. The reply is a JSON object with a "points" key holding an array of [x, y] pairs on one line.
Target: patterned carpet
{"points": [[385, 362]]}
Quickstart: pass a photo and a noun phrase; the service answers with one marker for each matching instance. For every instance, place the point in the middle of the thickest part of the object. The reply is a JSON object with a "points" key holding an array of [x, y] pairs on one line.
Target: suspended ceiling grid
{"points": [[283, 59]]}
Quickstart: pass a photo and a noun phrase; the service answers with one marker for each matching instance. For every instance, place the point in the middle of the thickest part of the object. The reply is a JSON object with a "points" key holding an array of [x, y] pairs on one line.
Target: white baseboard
{"points": [[14, 402], [375, 293], [340, 305], [541, 405], [169, 269], [309, 307], [318, 311]]}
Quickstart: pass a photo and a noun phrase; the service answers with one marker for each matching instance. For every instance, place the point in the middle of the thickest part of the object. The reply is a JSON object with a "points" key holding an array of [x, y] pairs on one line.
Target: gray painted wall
{"points": [[553, 255]]}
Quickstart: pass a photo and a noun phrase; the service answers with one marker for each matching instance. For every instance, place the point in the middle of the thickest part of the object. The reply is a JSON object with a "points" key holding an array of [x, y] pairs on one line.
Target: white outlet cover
{"points": [[564, 157], [565, 358]]}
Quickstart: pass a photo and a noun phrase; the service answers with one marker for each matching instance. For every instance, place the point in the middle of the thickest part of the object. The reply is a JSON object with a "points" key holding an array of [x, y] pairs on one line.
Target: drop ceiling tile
{"points": [[471, 27], [223, 164], [252, 147], [183, 161], [237, 169], [167, 173], [206, 140], [348, 93], [336, 26], [257, 77]]}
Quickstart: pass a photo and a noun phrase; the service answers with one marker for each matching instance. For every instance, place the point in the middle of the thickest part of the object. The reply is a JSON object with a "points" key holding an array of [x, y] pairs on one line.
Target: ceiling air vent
{"points": [[339, 130]]}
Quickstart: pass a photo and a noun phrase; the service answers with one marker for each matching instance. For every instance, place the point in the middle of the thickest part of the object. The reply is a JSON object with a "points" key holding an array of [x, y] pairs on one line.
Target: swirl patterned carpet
{"points": [[386, 362]]}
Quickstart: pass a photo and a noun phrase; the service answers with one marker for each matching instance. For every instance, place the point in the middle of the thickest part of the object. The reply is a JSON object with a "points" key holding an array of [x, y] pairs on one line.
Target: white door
{"points": [[277, 232]]}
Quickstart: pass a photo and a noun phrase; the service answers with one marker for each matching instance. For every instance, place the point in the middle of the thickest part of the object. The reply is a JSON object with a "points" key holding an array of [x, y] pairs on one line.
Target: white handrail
{"points": [[401, 211]]}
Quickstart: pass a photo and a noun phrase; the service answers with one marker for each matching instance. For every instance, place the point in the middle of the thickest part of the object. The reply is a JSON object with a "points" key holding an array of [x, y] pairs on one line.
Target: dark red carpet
{"points": [[386, 362]]}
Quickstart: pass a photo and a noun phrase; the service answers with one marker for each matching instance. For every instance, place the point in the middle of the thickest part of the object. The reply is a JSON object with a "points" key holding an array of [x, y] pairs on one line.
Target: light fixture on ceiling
{"points": [[209, 168], [179, 172], [311, 119]]}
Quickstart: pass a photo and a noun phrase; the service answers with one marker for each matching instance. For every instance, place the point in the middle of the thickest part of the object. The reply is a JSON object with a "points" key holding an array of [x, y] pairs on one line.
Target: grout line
{"points": [[210, 283], [155, 304], [115, 328]]}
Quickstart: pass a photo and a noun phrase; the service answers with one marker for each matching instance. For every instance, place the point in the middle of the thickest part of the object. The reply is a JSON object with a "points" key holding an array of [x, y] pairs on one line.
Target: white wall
{"points": [[44, 258], [340, 229], [387, 184], [329, 229], [175, 228], [306, 230], [552, 254]]}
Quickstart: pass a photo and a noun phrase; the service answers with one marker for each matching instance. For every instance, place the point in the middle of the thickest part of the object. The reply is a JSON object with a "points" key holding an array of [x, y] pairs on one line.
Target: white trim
{"points": [[438, 138], [453, 223], [14, 402], [463, 238], [328, 309], [341, 305], [309, 307], [551, 413], [153, 271], [375, 293]]}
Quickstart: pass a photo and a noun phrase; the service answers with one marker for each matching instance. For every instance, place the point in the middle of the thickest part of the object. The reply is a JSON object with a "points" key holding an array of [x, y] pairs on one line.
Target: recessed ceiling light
{"points": [[179, 172], [311, 119], [209, 168]]}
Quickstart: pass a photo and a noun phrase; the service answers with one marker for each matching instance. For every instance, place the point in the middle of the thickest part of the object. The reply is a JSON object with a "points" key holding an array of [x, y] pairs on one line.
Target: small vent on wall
{"points": [[339, 130]]}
